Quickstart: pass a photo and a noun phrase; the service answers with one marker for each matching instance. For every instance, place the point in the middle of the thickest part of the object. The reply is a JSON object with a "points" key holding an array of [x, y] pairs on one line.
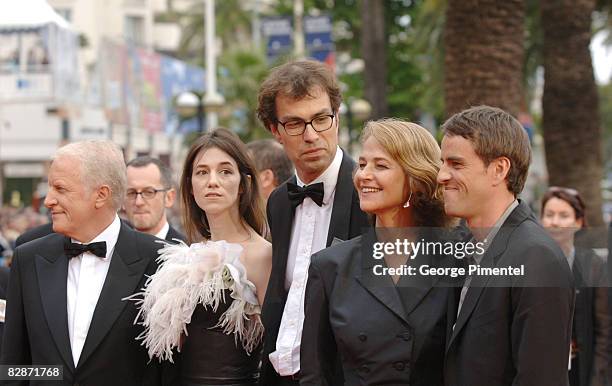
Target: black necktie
{"points": [[297, 193], [74, 249]]}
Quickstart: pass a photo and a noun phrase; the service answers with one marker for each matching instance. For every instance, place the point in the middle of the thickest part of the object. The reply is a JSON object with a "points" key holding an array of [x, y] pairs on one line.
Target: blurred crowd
{"points": [[13, 222]]}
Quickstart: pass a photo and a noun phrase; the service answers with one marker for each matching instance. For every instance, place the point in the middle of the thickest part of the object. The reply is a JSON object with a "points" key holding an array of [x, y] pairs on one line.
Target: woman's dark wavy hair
{"points": [[250, 203]]}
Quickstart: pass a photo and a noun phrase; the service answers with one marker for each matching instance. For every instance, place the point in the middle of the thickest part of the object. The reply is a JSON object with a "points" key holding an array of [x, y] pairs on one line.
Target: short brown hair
{"points": [[269, 154], [295, 79], [250, 204], [494, 133]]}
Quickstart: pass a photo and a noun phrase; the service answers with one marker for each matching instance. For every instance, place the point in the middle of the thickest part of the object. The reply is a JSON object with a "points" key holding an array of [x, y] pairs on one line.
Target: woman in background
{"points": [[563, 214]]}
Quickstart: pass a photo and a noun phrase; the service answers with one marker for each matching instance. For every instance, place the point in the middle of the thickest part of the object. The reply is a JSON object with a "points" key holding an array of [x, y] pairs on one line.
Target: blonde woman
{"points": [[377, 328]]}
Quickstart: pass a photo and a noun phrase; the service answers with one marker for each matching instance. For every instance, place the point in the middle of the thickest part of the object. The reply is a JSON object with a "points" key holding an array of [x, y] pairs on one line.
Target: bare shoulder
{"points": [[257, 250]]}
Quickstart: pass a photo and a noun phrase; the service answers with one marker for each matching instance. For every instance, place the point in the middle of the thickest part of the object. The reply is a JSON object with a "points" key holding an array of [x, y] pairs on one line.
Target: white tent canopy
{"points": [[17, 14]]}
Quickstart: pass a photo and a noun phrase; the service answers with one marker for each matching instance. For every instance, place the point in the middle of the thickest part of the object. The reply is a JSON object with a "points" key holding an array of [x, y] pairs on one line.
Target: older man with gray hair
{"points": [[64, 303]]}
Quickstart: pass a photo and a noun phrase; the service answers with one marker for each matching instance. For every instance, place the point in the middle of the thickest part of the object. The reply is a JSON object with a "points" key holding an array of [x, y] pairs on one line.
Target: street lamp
{"points": [[212, 99], [188, 105]]}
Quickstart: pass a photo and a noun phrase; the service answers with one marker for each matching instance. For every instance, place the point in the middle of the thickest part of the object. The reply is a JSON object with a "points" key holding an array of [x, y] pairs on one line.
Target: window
{"points": [[134, 29]]}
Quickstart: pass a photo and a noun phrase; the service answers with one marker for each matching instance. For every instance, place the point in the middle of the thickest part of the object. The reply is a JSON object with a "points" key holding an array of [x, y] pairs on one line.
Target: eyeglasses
{"points": [[146, 194], [570, 191], [297, 127]]}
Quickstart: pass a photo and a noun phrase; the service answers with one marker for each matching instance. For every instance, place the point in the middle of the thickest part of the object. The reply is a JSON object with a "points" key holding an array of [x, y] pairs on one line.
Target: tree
{"points": [[374, 53], [233, 28], [483, 42], [243, 73], [571, 120]]}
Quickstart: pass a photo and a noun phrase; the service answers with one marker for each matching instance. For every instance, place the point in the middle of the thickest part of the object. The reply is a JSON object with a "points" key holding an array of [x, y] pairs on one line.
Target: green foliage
{"points": [[242, 73], [409, 91], [233, 28]]}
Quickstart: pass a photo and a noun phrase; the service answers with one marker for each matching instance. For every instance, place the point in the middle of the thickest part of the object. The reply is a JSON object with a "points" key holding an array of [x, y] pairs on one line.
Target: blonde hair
{"points": [[101, 163], [418, 153]]}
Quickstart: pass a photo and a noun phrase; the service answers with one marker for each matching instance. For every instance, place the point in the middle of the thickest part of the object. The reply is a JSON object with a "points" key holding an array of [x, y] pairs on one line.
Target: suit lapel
{"points": [[282, 219], [52, 273], [124, 274], [490, 259], [173, 234], [380, 287], [477, 285], [414, 289], [343, 200]]}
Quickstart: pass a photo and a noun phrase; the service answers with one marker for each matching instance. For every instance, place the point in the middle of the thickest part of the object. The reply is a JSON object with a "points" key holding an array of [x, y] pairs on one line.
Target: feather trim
{"points": [[191, 275]]}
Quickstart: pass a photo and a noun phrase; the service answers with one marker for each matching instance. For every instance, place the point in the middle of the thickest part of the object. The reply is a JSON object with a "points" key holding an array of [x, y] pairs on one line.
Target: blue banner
{"points": [[278, 32], [319, 40], [178, 77]]}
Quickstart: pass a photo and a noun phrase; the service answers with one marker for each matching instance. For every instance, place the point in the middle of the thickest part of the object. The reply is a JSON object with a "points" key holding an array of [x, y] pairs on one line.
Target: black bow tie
{"points": [[74, 249], [297, 193]]}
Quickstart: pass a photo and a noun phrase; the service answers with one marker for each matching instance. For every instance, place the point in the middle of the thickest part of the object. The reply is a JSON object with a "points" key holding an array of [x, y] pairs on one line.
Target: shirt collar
{"points": [[108, 235], [571, 257], [163, 232], [493, 232], [329, 177]]}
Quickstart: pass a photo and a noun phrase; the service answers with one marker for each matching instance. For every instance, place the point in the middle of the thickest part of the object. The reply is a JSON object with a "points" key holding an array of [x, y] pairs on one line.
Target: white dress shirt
{"points": [[163, 232], [308, 236], [86, 276]]}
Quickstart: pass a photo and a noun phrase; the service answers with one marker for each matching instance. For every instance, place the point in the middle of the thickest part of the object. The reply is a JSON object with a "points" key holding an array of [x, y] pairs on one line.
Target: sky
{"points": [[602, 59]]}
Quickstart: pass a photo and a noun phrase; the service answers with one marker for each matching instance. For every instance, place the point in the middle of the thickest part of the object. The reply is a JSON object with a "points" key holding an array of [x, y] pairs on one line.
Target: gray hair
{"points": [[102, 163]]}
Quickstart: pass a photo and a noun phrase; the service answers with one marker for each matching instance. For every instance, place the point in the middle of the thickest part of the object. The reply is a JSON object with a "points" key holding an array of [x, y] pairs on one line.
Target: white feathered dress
{"points": [[201, 291]]}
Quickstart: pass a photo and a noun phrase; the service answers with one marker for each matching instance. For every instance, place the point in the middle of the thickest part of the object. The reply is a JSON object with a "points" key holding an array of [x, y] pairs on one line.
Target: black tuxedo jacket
{"points": [[592, 319], [4, 277], [514, 330], [36, 329], [34, 233], [347, 221], [174, 234], [382, 334]]}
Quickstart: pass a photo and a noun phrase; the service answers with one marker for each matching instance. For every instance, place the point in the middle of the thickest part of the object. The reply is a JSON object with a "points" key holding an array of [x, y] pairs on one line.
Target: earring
{"points": [[407, 204]]}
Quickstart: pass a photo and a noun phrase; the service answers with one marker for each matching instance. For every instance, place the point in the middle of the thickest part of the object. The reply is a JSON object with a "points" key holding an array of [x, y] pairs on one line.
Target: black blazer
{"points": [[347, 221], [174, 234], [36, 329], [34, 233], [592, 319], [382, 337], [4, 277], [515, 330]]}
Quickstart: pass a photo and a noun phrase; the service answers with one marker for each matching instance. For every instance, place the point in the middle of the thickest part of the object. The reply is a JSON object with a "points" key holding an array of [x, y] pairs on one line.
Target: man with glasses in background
{"points": [[150, 192], [298, 103]]}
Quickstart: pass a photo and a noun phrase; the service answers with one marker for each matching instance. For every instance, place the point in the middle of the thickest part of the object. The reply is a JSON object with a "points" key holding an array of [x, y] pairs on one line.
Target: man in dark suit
{"points": [[150, 191], [510, 330], [4, 276], [273, 165], [298, 103], [34, 233], [65, 298]]}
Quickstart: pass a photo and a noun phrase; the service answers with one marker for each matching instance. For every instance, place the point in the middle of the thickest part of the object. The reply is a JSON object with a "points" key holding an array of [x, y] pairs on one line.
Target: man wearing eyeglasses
{"points": [[150, 192], [298, 103]]}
